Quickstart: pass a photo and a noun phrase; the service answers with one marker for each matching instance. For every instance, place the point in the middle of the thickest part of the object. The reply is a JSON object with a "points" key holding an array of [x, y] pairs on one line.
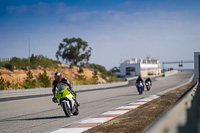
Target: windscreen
{"points": [[60, 86]]}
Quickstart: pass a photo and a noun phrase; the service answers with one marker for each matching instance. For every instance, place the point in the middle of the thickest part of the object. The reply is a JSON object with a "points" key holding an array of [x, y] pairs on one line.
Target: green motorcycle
{"points": [[67, 100]]}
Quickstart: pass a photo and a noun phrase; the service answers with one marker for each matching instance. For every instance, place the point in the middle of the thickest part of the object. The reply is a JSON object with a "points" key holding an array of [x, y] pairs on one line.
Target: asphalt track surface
{"points": [[40, 114]]}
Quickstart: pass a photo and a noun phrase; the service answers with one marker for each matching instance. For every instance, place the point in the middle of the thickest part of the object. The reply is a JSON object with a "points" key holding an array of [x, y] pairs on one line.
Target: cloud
{"points": [[80, 16], [121, 18], [41, 8], [95, 17]]}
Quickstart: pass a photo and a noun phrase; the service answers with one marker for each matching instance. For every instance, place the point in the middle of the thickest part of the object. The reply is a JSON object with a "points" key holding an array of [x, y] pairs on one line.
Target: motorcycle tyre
{"points": [[66, 109], [76, 112], [140, 90], [148, 88]]}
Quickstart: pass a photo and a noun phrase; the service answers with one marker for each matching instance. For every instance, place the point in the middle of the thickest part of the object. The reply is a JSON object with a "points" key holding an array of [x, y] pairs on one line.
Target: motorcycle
{"points": [[67, 100], [140, 87], [148, 85]]}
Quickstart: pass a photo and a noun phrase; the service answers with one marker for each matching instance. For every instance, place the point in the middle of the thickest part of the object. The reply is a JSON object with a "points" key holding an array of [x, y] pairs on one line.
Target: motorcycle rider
{"points": [[138, 80], [58, 79], [148, 80], [138, 83]]}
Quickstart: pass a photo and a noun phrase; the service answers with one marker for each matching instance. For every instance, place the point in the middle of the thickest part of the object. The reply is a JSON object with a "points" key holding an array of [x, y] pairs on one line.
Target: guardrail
{"points": [[131, 78], [168, 73], [182, 117], [193, 115], [42, 91]]}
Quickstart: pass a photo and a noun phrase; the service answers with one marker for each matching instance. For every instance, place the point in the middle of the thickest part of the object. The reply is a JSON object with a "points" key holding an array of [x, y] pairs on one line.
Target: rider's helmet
{"points": [[57, 76]]}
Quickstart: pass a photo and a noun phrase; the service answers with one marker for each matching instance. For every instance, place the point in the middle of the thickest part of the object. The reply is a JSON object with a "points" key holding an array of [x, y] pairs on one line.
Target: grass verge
{"points": [[137, 120]]}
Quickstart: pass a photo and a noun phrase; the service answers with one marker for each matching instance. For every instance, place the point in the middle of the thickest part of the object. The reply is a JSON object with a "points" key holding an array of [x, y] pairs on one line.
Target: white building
{"points": [[142, 67]]}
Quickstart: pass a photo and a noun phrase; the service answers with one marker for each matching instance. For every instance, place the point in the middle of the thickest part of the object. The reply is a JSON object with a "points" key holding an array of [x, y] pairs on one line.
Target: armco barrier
{"points": [[131, 78], [182, 117], [42, 91], [192, 124], [168, 73]]}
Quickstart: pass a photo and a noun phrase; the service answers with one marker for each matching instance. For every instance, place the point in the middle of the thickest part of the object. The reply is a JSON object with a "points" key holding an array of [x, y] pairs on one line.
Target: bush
{"points": [[99, 68], [17, 62], [40, 60], [106, 75], [9, 66], [33, 62], [80, 70], [30, 82], [44, 79], [2, 83], [2, 64]]}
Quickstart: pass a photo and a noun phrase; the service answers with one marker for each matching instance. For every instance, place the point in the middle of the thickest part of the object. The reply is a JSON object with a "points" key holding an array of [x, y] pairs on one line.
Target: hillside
{"points": [[19, 76]]}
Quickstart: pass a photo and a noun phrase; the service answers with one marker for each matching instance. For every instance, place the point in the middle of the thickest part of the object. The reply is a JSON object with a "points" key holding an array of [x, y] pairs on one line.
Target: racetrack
{"points": [[41, 115]]}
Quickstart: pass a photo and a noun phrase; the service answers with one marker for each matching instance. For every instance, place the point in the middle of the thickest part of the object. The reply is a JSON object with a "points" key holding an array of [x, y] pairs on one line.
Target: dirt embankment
{"points": [[137, 120], [19, 76]]}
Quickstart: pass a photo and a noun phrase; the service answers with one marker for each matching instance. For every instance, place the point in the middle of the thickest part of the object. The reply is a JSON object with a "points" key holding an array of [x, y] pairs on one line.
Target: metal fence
{"points": [[4, 59]]}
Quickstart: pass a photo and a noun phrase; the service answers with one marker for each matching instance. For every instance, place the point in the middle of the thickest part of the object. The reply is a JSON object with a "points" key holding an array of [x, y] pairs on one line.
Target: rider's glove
{"points": [[74, 93], [54, 99]]}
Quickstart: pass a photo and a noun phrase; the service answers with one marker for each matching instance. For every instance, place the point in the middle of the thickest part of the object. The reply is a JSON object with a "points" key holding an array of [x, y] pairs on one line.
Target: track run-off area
{"points": [[40, 114]]}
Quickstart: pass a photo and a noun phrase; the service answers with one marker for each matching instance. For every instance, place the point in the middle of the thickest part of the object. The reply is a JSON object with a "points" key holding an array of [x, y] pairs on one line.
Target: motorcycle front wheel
{"points": [[66, 109], [76, 112], [148, 88], [140, 90]]}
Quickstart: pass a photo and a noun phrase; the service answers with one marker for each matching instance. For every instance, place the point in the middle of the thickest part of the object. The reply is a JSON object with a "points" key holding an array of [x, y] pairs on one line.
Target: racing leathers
{"points": [[63, 80], [55, 83], [148, 80], [138, 80]]}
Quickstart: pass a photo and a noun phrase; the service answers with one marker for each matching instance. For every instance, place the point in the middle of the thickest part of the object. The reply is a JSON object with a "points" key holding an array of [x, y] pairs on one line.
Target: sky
{"points": [[116, 30]]}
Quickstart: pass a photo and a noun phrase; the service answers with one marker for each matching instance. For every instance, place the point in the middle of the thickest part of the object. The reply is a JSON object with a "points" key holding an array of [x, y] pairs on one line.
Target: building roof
{"points": [[148, 60]]}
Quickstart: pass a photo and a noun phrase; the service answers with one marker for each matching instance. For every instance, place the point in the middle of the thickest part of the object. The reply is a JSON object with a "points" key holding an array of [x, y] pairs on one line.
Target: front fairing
{"points": [[139, 84], [62, 91], [148, 83]]}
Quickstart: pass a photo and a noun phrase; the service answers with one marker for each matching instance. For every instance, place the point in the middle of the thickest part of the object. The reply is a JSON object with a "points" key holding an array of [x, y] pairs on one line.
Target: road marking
{"points": [[145, 100], [122, 109], [88, 123], [80, 125], [71, 130], [115, 112], [138, 103], [96, 120], [128, 107], [104, 116]]}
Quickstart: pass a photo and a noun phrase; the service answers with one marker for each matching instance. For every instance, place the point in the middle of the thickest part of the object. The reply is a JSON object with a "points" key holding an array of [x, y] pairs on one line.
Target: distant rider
{"points": [[138, 80], [148, 80], [58, 79]]}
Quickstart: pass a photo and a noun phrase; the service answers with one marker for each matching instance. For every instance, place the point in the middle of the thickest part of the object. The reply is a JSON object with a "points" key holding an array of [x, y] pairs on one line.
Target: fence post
{"points": [[4, 59]]}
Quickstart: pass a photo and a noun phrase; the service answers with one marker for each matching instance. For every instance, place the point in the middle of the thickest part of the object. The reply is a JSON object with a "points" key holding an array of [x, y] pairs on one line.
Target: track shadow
{"points": [[37, 118], [45, 118]]}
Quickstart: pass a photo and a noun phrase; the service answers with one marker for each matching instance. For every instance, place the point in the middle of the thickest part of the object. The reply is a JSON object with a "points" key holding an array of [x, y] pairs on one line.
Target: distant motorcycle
{"points": [[67, 100], [148, 85], [140, 87]]}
